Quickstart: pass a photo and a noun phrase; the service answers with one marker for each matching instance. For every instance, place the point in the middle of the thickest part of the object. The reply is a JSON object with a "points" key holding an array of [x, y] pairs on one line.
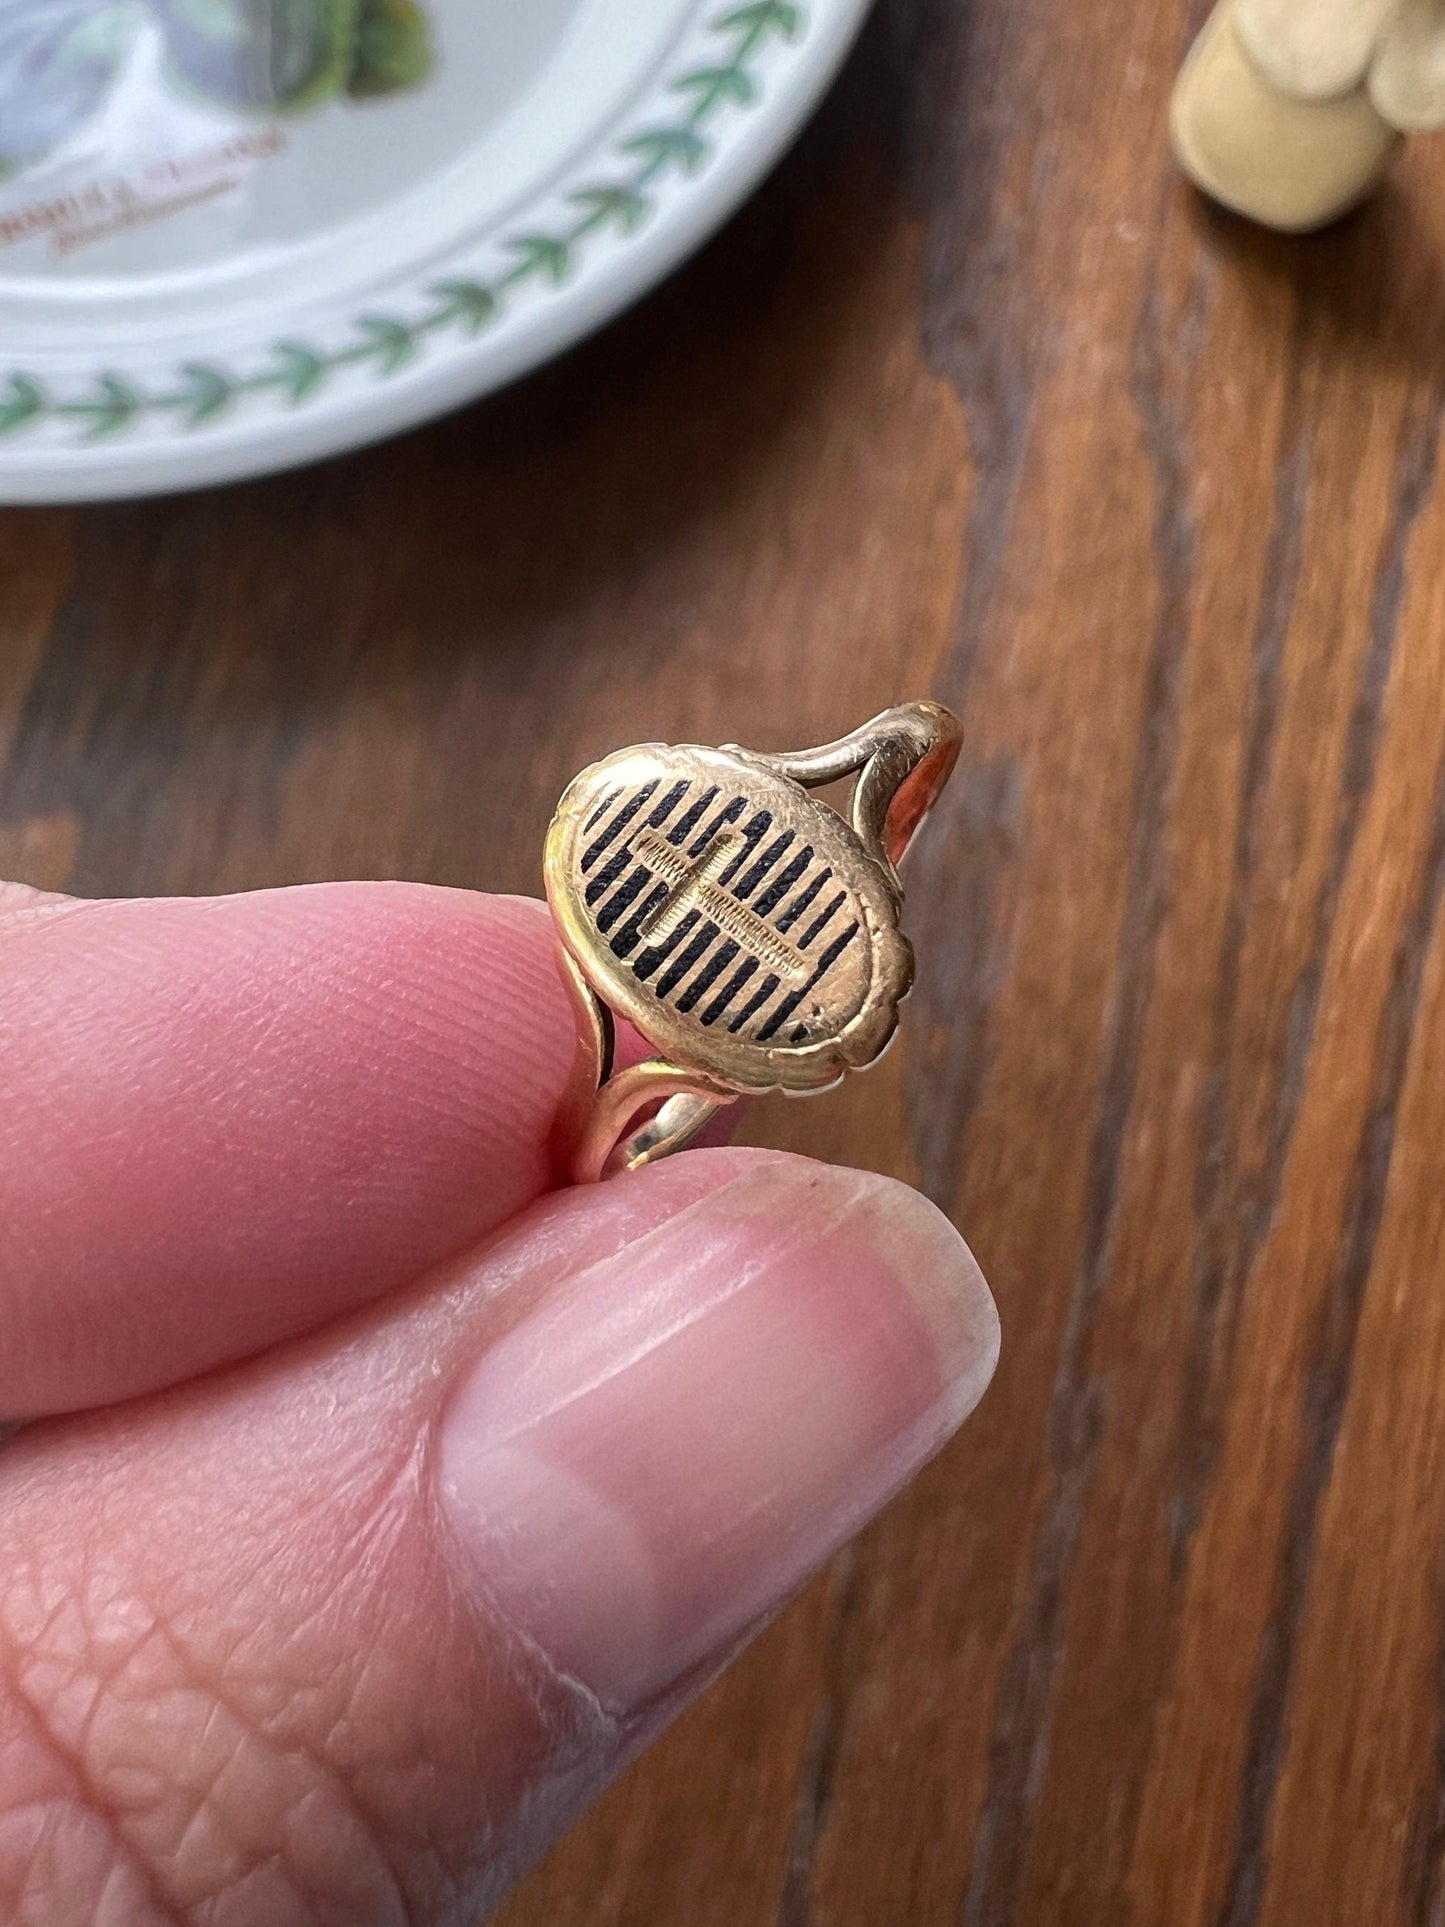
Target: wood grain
{"points": [[974, 400]]}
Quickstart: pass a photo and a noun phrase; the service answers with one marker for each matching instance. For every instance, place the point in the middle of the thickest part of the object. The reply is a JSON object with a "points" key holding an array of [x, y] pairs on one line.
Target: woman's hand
{"points": [[382, 1499]]}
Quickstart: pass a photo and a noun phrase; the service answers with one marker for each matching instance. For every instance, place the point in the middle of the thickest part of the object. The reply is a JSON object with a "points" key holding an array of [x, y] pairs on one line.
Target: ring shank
{"points": [[674, 1124]]}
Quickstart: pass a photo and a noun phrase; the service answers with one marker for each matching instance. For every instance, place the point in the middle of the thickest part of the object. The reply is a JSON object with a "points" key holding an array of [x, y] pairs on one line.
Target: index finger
{"points": [[225, 1120]]}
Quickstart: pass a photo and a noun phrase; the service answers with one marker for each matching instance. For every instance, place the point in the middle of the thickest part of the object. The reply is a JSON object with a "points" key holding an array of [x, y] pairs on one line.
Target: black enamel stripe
{"points": [[706, 968], [618, 823], [825, 963], [602, 808], [656, 953], [611, 870], [753, 834], [802, 903], [823, 918], [620, 899], [747, 968], [658, 816], [716, 964], [783, 882], [684, 824], [759, 997], [625, 942], [748, 883], [684, 961], [729, 813]]}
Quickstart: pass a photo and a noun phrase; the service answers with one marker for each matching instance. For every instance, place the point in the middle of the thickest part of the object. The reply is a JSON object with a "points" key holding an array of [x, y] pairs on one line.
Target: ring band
{"points": [[747, 930]]}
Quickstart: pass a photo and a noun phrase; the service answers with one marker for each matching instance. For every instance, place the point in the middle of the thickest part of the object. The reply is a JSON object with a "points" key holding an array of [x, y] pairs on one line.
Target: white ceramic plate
{"points": [[241, 234]]}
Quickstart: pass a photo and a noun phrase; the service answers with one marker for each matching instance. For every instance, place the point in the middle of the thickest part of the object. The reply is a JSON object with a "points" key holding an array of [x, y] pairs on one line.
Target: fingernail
{"points": [[684, 1430]]}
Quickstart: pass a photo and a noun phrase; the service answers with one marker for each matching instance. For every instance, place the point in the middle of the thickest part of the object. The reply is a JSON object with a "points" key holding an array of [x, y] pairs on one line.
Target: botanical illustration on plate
{"points": [[61, 60]]}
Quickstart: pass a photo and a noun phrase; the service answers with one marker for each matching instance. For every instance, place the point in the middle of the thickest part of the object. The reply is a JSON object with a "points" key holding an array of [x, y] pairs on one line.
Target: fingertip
{"points": [[928, 1253]]}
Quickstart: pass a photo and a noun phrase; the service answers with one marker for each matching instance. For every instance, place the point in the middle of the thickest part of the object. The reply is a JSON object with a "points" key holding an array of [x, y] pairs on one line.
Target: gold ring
{"points": [[748, 931]]}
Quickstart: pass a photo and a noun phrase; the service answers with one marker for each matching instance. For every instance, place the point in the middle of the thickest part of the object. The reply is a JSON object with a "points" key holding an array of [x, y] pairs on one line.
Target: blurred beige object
{"points": [[1407, 77], [1312, 49], [1289, 162]]}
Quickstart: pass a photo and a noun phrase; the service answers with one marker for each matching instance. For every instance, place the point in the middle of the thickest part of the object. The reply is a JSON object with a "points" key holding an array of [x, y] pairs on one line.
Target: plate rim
{"points": [[700, 165]]}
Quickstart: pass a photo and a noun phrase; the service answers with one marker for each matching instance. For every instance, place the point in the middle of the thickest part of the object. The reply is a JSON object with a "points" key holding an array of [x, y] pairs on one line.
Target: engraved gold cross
{"points": [[695, 885]]}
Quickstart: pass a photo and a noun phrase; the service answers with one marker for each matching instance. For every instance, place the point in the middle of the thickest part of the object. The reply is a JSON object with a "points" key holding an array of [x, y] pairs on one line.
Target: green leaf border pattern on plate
{"points": [[200, 393]]}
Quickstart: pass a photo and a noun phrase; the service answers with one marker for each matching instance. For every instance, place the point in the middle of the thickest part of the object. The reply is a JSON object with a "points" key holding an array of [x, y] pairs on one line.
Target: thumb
{"points": [[347, 1635]]}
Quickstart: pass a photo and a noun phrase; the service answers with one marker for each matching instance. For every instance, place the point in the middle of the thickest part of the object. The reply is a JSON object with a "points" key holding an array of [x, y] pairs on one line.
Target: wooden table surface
{"points": [[975, 400]]}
